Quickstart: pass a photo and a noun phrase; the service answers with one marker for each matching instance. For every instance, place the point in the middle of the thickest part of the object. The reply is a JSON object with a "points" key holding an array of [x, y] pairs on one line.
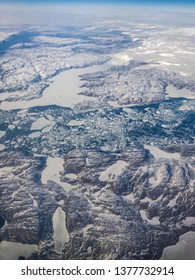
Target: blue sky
{"points": [[153, 2]]}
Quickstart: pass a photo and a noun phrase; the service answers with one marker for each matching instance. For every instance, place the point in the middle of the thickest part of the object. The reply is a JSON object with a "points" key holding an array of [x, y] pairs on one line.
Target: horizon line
{"points": [[104, 2]]}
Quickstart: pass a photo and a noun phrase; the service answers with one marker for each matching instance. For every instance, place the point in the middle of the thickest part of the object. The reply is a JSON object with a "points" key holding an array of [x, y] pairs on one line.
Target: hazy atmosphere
{"points": [[97, 130]]}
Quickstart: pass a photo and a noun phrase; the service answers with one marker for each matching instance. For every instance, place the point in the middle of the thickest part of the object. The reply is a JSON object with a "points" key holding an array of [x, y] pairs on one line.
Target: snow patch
{"points": [[154, 221], [121, 59], [34, 135], [2, 147], [2, 133], [113, 170], [75, 123]]}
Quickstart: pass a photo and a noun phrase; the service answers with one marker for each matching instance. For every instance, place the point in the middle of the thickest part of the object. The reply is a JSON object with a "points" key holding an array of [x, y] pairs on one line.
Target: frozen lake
{"points": [[113, 170], [158, 153], [60, 234], [182, 250], [173, 92], [12, 250], [63, 90], [52, 172]]}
